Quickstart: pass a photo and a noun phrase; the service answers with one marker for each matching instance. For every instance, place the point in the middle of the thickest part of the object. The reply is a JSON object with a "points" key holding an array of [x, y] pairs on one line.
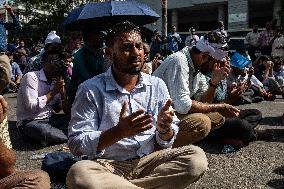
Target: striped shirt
{"points": [[184, 82], [97, 108]]}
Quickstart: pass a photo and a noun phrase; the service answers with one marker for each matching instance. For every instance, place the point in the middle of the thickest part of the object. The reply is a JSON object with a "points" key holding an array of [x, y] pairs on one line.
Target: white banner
{"points": [[240, 17]]}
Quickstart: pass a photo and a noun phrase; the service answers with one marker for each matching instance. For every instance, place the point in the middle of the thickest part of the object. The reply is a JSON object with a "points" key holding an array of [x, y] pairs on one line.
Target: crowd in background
{"points": [[203, 84]]}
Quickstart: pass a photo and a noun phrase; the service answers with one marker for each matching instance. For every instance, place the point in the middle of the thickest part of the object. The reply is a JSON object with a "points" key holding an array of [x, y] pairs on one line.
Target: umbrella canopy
{"points": [[73, 16], [104, 14]]}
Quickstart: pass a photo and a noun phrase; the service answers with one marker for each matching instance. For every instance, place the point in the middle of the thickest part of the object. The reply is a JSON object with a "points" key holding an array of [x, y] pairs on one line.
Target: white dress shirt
{"points": [[97, 108]]}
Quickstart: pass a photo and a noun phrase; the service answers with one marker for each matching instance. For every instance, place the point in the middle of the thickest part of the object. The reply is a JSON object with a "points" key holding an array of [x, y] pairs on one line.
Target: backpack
{"points": [[57, 164]]}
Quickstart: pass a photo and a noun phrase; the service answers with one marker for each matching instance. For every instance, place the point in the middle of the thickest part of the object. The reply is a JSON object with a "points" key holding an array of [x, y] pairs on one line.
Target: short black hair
{"points": [[67, 55], [45, 56], [120, 28], [264, 58]]}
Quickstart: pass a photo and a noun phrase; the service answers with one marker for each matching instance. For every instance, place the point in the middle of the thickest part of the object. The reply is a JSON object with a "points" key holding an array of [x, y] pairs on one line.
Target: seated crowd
{"points": [[135, 115]]}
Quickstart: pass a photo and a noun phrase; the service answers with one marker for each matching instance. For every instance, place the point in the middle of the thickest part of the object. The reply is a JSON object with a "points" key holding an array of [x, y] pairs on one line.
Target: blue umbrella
{"points": [[104, 14], [73, 16]]}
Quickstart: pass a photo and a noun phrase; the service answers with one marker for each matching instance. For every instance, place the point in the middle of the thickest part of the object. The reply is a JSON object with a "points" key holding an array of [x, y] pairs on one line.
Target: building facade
{"points": [[238, 15]]}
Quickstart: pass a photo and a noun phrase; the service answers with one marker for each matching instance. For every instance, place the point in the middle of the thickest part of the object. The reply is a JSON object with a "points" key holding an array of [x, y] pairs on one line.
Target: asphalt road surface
{"points": [[258, 165]]}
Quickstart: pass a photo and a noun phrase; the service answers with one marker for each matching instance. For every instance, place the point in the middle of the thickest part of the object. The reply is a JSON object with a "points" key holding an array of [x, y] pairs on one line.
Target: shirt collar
{"points": [[42, 76], [111, 84]]}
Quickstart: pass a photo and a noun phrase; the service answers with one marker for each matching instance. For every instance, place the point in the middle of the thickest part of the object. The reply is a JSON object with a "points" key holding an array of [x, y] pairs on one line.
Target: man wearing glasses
{"points": [[40, 93]]}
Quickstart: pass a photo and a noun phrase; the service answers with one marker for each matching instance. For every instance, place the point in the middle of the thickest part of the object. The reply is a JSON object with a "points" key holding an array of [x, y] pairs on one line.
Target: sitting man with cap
{"points": [[182, 73]]}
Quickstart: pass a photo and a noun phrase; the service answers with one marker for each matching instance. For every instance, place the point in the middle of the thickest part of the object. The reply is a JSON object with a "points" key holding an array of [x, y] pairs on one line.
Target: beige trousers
{"points": [[166, 169], [36, 179], [195, 127]]}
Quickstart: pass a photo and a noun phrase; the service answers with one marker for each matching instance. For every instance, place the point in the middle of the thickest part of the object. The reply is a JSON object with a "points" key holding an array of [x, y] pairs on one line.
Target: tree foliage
{"points": [[46, 15]]}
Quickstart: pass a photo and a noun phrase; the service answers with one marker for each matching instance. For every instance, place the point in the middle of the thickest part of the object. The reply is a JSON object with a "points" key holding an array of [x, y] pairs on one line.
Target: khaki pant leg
{"points": [[35, 179], [192, 128], [170, 168], [217, 120], [100, 174]]}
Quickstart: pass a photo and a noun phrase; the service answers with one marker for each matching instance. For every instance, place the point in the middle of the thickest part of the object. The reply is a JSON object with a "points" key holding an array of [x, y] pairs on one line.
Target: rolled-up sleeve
{"points": [[83, 133]]}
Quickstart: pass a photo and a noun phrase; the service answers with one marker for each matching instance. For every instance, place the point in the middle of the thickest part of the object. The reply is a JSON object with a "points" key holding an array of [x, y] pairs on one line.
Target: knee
{"points": [[202, 124], [40, 178], [77, 176], [217, 120], [192, 128], [205, 124], [198, 163], [73, 178]]}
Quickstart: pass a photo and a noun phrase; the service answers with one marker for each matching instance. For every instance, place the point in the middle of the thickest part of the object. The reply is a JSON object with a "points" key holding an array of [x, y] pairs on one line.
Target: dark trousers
{"points": [[47, 131], [266, 50], [241, 128], [251, 52]]}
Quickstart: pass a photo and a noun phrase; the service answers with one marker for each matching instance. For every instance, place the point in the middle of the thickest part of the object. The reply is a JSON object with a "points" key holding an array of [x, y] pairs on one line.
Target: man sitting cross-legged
{"points": [[41, 93], [183, 74], [118, 116]]}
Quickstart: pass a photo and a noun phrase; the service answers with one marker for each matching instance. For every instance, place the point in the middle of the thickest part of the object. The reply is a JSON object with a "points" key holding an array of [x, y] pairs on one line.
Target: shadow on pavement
{"points": [[277, 183], [18, 143], [276, 135], [279, 170], [271, 121], [210, 147]]}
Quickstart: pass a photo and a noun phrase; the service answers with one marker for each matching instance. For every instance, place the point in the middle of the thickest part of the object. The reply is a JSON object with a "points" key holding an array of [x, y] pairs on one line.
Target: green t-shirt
{"points": [[86, 65]]}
